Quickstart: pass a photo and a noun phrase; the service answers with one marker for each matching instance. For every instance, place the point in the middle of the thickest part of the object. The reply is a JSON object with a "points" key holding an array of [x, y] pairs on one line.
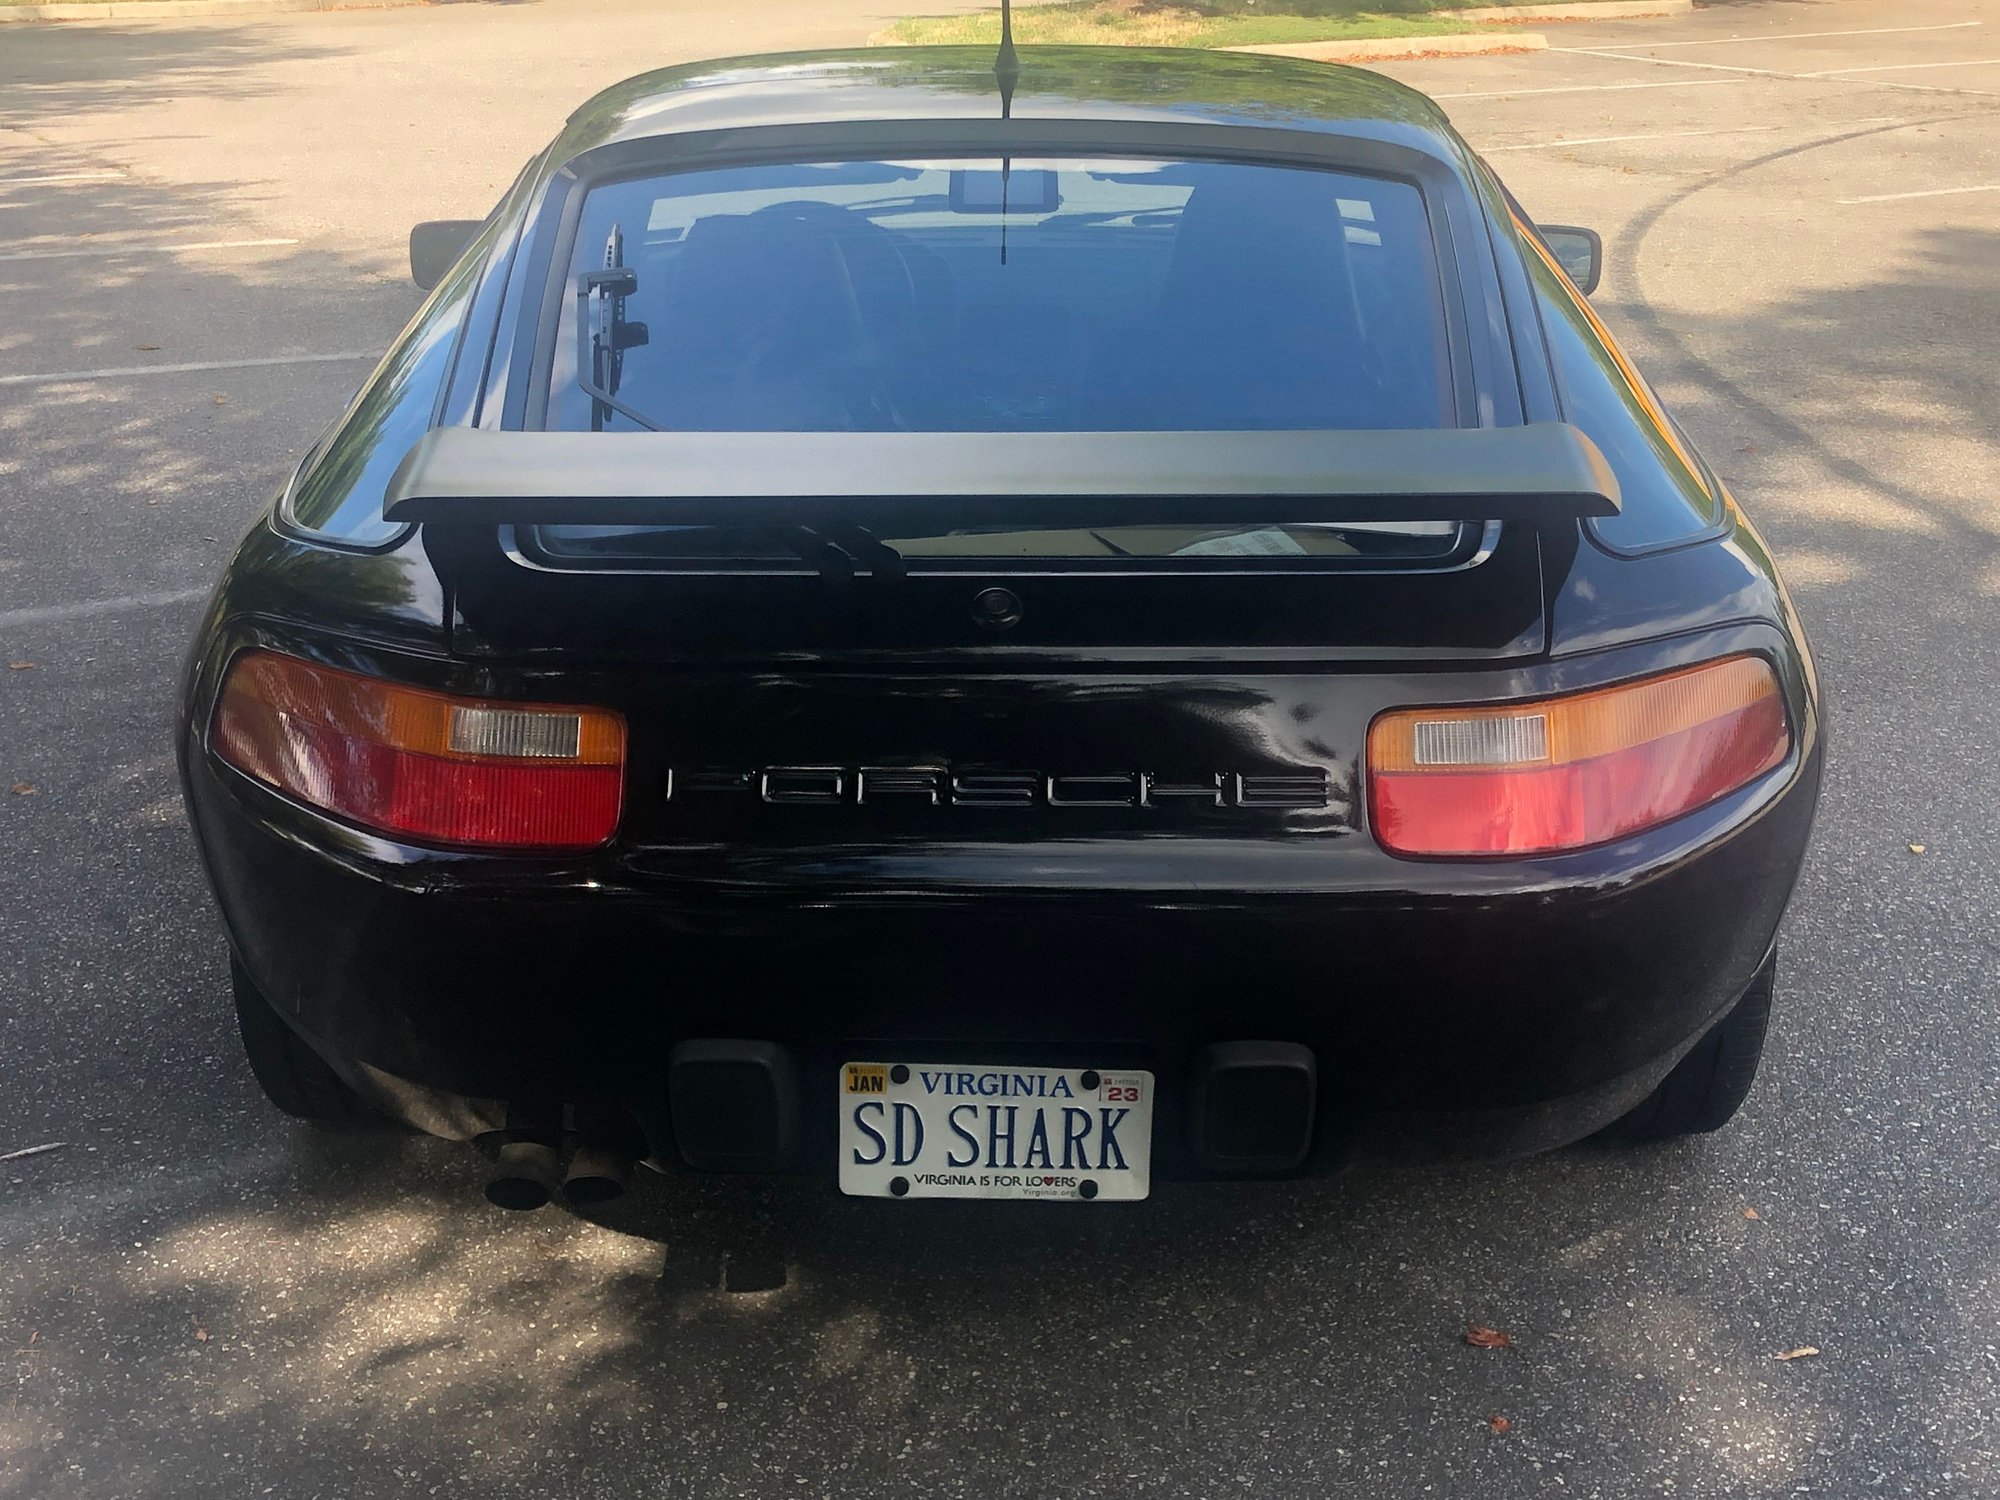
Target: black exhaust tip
{"points": [[525, 1176], [597, 1174]]}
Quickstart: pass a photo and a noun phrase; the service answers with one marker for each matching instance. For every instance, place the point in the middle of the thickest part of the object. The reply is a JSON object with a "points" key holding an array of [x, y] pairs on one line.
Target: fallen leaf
{"points": [[1916, 848], [22, 789], [20, 666], [1804, 1351], [220, 400], [1751, 1213], [1499, 1424], [201, 1335], [146, 348], [1481, 1337]]}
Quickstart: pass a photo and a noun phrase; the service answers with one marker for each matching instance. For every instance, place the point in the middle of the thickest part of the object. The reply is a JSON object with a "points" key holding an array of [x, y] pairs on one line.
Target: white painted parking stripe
{"points": [[1589, 88], [1970, 62], [1920, 88], [1606, 140], [1675, 62], [1807, 36], [62, 177], [1988, 187], [98, 250], [66, 377], [45, 614], [1676, 135]]}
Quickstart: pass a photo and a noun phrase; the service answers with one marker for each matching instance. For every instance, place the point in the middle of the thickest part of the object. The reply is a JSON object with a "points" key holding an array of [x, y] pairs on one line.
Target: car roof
{"points": [[1104, 85]]}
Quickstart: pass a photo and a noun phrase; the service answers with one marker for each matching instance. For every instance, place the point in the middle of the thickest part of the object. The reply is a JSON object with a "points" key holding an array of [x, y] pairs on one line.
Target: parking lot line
{"points": [[1921, 88], [66, 377], [44, 614], [1970, 62], [1606, 140], [1589, 88], [1676, 135], [1986, 187], [62, 177], [1807, 36], [1675, 62], [97, 251]]}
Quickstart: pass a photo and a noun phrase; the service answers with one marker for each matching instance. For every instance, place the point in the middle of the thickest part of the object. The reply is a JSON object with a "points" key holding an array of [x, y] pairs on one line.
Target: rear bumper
{"points": [[1464, 1011]]}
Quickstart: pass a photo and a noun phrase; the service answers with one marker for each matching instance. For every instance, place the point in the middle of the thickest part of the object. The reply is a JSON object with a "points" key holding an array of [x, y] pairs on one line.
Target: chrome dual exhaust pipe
{"points": [[598, 1173], [529, 1171], [525, 1176]]}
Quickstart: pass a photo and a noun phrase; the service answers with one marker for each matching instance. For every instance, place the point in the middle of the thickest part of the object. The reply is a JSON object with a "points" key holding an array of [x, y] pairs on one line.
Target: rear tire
{"points": [[1709, 1085], [293, 1076]]}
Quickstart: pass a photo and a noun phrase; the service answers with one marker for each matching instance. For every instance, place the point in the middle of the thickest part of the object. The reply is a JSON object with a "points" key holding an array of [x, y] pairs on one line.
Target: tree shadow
{"points": [[52, 72], [1856, 425], [197, 1298], [346, 1311]]}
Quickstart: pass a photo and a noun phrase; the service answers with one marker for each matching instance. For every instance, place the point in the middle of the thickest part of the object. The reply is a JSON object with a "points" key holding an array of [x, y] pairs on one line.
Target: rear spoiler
{"points": [[472, 477]]}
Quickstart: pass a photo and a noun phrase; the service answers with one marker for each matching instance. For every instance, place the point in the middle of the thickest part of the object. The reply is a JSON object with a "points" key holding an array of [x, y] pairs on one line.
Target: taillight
{"points": [[438, 769], [1564, 773]]}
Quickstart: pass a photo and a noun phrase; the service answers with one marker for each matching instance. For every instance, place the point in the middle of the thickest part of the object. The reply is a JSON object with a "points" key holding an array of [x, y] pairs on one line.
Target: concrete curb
{"points": [[1401, 48], [1583, 10], [165, 10]]}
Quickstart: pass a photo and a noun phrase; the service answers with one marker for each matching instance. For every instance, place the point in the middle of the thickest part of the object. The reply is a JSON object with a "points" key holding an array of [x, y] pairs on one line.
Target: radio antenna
{"points": [[1007, 73], [1007, 62]]}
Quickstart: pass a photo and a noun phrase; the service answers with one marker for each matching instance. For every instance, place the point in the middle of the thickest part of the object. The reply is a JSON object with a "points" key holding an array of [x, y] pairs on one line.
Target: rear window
{"points": [[885, 296], [1027, 295]]}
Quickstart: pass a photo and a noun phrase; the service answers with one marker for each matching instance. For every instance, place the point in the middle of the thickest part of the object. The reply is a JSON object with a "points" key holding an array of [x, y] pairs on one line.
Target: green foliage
{"points": [[1196, 23]]}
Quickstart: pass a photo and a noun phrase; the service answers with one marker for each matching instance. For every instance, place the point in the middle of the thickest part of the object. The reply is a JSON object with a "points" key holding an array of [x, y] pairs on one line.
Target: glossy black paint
{"points": [[1453, 1007]]}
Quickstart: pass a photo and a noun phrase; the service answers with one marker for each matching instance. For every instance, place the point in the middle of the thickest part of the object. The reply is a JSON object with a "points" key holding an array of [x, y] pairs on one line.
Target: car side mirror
{"points": [[435, 247], [1580, 252]]}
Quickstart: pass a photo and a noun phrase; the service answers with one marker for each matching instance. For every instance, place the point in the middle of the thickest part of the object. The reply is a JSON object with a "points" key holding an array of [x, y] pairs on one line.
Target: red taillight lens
{"points": [[442, 770], [1564, 773]]}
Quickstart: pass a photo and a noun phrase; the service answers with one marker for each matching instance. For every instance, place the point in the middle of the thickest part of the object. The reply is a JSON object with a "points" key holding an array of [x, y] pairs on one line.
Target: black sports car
{"points": [[999, 627]]}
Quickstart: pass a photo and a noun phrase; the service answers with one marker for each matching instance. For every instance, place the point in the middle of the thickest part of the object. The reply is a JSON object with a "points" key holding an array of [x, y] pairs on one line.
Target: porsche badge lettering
{"points": [[941, 786]]}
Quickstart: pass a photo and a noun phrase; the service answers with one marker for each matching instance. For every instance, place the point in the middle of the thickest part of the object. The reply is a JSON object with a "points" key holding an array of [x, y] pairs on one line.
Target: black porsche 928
{"points": [[1003, 631]]}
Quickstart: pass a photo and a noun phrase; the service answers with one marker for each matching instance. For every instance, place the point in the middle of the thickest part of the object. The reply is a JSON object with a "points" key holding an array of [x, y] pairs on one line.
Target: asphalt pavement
{"points": [[1802, 206]]}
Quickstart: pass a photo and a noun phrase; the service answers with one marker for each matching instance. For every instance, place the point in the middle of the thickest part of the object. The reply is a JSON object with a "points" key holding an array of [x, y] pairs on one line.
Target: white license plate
{"points": [[946, 1130]]}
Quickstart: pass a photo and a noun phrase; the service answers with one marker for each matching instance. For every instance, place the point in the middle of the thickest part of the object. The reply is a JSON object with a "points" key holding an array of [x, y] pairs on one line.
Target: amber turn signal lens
{"points": [[469, 773], [1569, 772]]}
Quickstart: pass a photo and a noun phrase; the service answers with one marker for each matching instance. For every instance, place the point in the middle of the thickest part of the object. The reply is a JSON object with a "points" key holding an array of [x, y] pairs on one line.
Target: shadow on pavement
{"points": [[63, 70], [197, 1299]]}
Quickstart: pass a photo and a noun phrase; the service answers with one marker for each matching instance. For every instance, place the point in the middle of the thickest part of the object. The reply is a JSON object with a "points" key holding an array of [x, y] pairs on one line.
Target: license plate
{"points": [[945, 1130]]}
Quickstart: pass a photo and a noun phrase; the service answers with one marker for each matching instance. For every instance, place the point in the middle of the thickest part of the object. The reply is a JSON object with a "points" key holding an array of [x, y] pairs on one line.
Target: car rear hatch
{"points": [[1007, 500], [867, 682]]}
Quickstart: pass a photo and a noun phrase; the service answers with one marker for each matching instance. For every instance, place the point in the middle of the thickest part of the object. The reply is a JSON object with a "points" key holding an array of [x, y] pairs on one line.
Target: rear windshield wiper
{"points": [[604, 333], [840, 552]]}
